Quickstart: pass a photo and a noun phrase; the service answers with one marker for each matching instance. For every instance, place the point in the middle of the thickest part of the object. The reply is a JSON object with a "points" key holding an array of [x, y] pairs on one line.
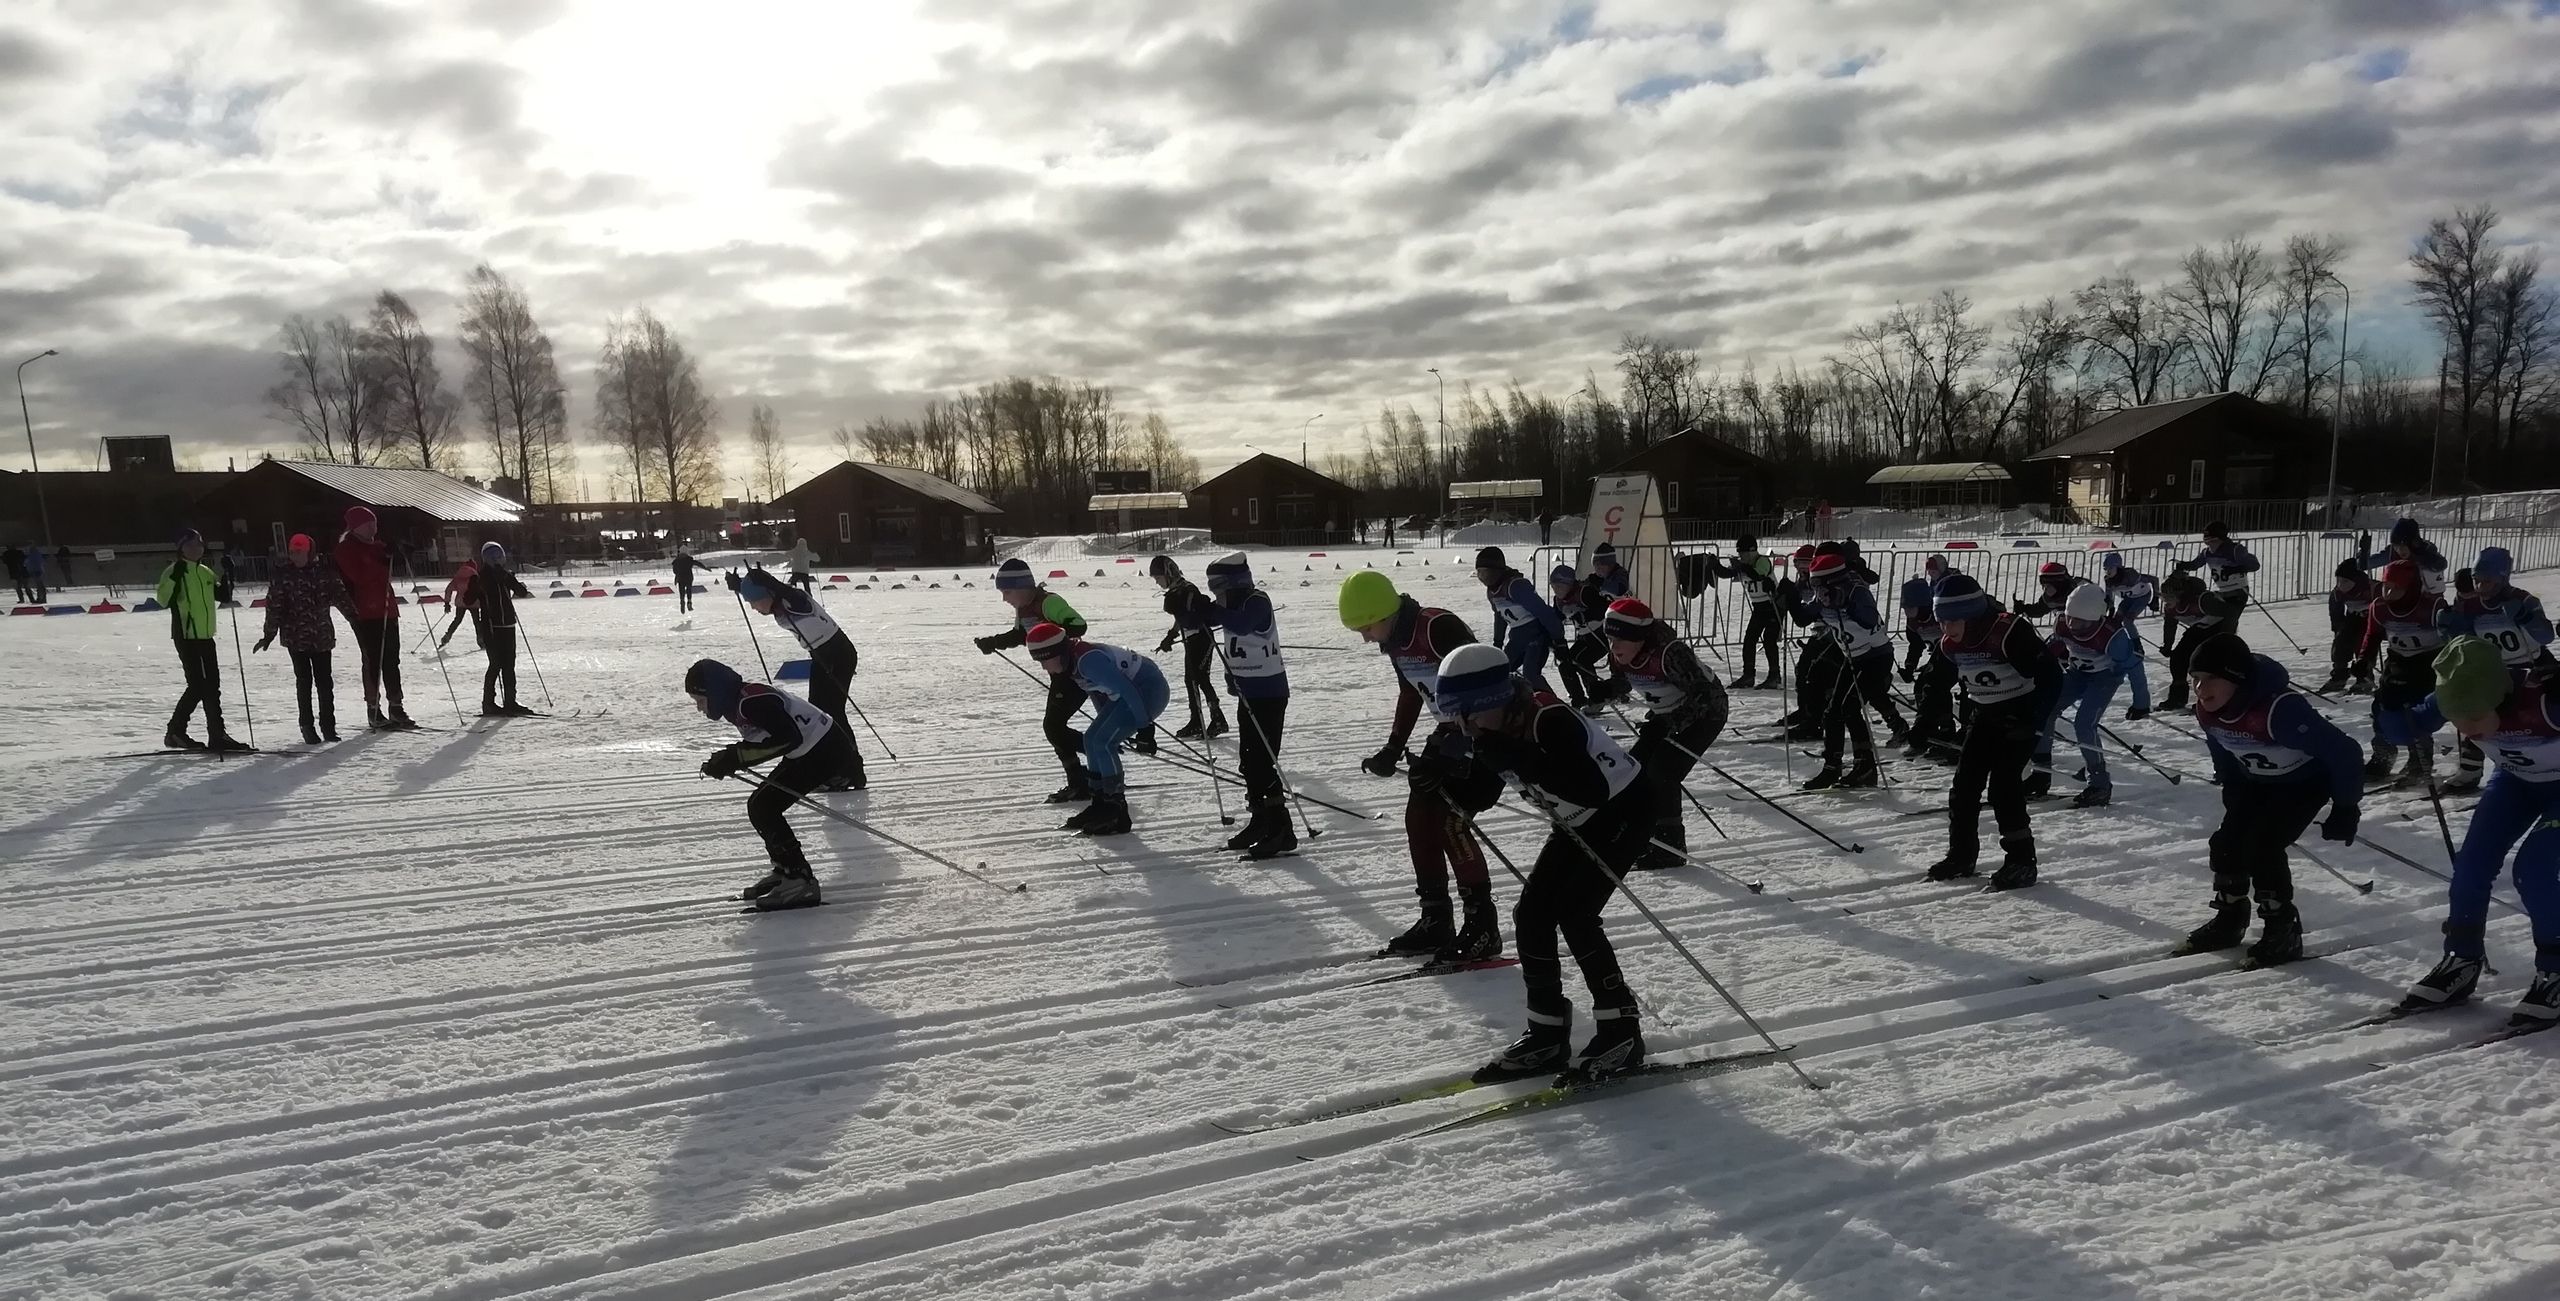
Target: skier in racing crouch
{"points": [[1034, 604], [2403, 620], [1438, 836], [772, 724], [832, 658], [1601, 811], [1128, 693], [2097, 656], [1525, 627], [2505, 616], [2350, 608], [1686, 712], [2012, 681]]}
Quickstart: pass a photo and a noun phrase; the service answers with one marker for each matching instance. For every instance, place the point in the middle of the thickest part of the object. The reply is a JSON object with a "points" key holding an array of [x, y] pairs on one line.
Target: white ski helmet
{"points": [[2086, 604], [1475, 677]]}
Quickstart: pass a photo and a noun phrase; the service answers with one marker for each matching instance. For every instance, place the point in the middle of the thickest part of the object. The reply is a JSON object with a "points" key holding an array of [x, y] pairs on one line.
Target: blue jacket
{"points": [[2295, 723], [1515, 601], [1254, 670]]}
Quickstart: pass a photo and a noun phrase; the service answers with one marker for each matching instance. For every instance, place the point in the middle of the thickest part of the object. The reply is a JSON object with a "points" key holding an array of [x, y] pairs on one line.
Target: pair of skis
{"points": [[1567, 1089]]}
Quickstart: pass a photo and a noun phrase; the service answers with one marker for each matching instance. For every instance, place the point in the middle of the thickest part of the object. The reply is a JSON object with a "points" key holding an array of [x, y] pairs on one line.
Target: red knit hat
{"points": [[1047, 641], [299, 542], [1827, 568], [2402, 574], [358, 517], [1629, 620]]}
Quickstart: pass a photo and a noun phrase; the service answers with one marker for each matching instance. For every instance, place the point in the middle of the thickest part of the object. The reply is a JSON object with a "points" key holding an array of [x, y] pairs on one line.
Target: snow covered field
{"points": [[467, 1014]]}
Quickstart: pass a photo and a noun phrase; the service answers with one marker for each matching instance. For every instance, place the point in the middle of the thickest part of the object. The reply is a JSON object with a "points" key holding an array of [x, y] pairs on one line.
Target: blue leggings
{"points": [[1115, 721], [2510, 810], [1528, 657], [2091, 692]]}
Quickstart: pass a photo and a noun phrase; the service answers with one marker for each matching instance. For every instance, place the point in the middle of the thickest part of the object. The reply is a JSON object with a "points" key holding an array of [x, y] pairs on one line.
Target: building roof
{"points": [[437, 496], [2111, 433], [915, 481], [1941, 472], [1487, 489], [1138, 501], [1702, 439], [1285, 465]]}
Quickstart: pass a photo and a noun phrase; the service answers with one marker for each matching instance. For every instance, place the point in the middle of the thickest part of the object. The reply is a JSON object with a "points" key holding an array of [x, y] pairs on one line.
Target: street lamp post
{"points": [[35, 471], [2337, 414], [1302, 437], [1440, 414]]}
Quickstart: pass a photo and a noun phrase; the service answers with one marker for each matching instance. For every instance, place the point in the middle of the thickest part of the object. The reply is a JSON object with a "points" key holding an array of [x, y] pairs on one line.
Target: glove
{"points": [[1428, 773], [1381, 764], [722, 763], [2136, 714], [731, 578], [1166, 644], [1905, 671], [265, 642], [987, 646], [2341, 824]]}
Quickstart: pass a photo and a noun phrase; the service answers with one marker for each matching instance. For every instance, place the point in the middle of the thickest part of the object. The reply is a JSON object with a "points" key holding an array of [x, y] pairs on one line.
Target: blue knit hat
{"points": [[493, 554], [758, 585], [1474, 678], [1230, 571], [1564, 574], [2494, 563], [1959, 597], [186, 536], [1015, 576], [2404, 531], [2111, 562], [1605, 554]]}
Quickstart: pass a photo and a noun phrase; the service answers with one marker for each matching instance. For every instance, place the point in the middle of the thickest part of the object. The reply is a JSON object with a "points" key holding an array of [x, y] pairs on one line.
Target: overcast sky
{"points": [[1243, 213]]}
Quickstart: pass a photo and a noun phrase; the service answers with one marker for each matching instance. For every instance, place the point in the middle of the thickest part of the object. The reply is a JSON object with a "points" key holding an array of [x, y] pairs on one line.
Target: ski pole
{"points": [[1691, 796], [2136, 751], [1277, 772], [1730, 1001], [1852, 847], [2405, 861], [2360, 887], [241, 663], [762, 781], [427, 628], [2271, 618], [875, 731], [1317, 800], [2435, 796], [1208, 754], [758, 642], [536, 662]]}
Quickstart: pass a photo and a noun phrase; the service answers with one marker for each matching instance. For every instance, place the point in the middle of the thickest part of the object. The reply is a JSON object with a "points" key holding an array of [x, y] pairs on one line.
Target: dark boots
{"points": [[1480, 937], [2228, 926], [1427, 936]]}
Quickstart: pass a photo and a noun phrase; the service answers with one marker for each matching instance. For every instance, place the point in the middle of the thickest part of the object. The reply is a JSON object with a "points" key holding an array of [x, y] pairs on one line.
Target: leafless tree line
{"points": [[1027, 444]]}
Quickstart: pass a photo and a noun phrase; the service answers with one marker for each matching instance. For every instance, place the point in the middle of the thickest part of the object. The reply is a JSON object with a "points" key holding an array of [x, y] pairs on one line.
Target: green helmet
{"points": [[1366, 598], [2471, 678]]}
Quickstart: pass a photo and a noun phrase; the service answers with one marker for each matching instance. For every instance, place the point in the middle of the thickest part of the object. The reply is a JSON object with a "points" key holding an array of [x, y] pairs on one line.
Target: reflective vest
{"points": [[812, 721], [1617, 768], [2410, 629], [1984, 668], [2527, 742], [1413, 660], [2086, 652], [2248, 739]]}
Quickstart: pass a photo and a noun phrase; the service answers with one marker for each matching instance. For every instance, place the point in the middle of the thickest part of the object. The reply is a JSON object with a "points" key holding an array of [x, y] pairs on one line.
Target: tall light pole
{"points": [[1440, 413], [35, 472], [2337, 414], [1302, 437]]}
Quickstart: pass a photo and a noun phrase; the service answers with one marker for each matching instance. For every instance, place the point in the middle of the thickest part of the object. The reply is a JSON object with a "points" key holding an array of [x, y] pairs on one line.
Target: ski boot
{"points": [[2465, 779], [226, 743], [2229, 926], [1952, 868], [1863, 776], [1217, 728], [1188, 732], [1144, 741], [857, 780], [1670, 848], [1918, 748], [2096, 795], [2337, 682], [1427, 936], [1084, 817], [490, 709], [2038, 785], [374, 719], [2378, 765], [1071, 792], [1480, 938], [176, 738], [399, 717], [310, 734], [798, 890], [328, 729], [764, 885], [511, 709], [1112, 818], [2361, 686], [2136, 714], [1824, 780], [2421, 769], [2175, 700], [2017, 864], [2540, 1006], [1281, 837], [1546, 1049], [2281, 940], [2451, 982], [1615, 1048], [1256, 827]]}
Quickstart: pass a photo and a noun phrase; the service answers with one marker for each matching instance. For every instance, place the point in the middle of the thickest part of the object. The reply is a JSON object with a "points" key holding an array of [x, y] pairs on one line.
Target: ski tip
{"points": [[1752, 886], [1022, 888]]}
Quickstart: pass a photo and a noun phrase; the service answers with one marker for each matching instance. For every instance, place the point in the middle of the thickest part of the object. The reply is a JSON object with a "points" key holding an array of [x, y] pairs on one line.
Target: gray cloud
{"points": [[474, 99]]}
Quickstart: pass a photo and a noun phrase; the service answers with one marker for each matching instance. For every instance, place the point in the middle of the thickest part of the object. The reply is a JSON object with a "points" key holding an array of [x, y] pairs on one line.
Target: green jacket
{"points": [[188, 590]]}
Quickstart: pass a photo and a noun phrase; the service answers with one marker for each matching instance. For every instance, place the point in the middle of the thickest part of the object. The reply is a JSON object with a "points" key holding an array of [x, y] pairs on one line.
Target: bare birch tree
{"points": [[513, 385]]}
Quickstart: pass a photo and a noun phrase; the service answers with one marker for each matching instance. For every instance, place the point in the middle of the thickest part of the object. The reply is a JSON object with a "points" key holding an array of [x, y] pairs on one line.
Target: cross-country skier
{"points": [[772, 724], [2188, 614], [2350, 610], [1035, 604], [299, 598], [457, 598], [1415, 639], [2278, 762], [802, 559], [1685, 712], [192, 593], [364, 562], [1525, 627], [1261, 686], [833, 661], [2402, 626], [17, 562], [685, 564], [2408, 544], [1195, 619], [1753, 571], [2013, 681], [2507, 617], [1128, 692], [2515, 718], [1606, 573], [494, 591], [1584, 606], [1926, 667], [1843, 608], [2128, 590], [2227, 566], [2054, 585], [2097, 657], [1603, 810]]}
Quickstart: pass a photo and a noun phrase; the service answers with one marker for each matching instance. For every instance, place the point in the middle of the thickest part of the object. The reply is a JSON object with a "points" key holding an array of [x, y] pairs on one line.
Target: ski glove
{"points": [[989, 645], [724, 762], [265, 642], [2136, 714], [1167, 644], [1381, 764], [2341, 824]]}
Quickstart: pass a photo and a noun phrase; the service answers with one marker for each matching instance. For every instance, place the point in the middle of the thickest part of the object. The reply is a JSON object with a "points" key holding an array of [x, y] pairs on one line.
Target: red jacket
{"points": [[366, 566]]}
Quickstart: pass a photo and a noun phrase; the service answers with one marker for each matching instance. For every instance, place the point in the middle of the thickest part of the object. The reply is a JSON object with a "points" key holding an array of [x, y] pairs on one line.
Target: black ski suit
{"points": [[1195, 619], [493, 594], [2013, 681]]}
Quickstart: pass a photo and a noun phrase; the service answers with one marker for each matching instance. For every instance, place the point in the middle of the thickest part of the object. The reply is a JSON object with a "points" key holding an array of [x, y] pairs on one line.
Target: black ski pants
{"points": [[1995, 754], [2346, 649], [791, 779], [1667, 756], [1842, 714], [1761, 632], [832, 664], [19, 581], [1563, 898], [1057, 724], [2183, 650], [1875, 686], [1579, 666], [2260, 821], [500, 676], [1933, 690], [204, 687], [684, 595], [313, 677], [378, 649], [1199, 685], [1258, 729]]}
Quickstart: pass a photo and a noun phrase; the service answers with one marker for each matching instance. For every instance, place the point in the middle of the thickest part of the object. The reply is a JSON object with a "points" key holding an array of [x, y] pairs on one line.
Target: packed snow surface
{"points": [[471, 1013]]}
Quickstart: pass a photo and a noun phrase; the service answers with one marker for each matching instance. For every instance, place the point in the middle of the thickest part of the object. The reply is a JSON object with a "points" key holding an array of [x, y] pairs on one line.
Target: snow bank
{"points": [[2539, 508], [1061, 546], [1567, 533]]}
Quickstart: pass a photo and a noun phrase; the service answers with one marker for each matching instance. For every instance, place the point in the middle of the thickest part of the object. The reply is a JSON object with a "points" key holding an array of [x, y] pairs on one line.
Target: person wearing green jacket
{"points": [[192, 593], [1032, 605]]}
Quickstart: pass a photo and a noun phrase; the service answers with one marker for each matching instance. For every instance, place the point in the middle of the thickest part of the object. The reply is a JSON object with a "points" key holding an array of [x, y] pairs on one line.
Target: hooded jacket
{"points": [[299, 599], [2258, 736]]}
